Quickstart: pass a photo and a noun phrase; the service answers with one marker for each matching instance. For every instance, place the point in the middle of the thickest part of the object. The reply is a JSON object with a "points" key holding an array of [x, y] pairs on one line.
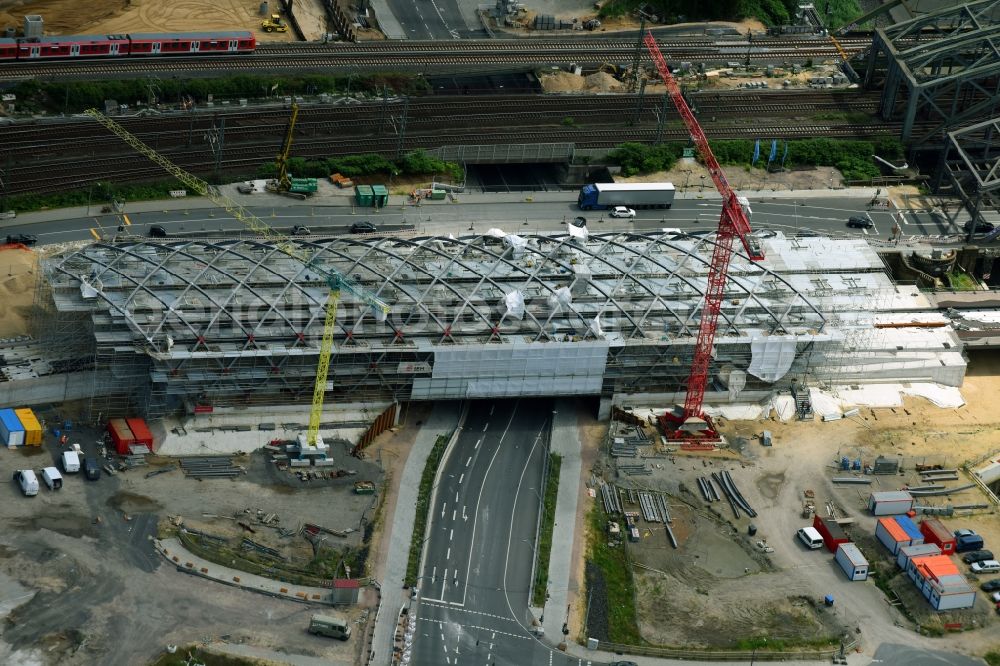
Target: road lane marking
{"points": [[475, 514], [447, 556], [486, 427], [492, 407], [453, 511], [493, 634], [460, 479], [478, 442], [434, 575], [456, 495], [468, 461], [443, 505], [464, 517], [451, 535]]}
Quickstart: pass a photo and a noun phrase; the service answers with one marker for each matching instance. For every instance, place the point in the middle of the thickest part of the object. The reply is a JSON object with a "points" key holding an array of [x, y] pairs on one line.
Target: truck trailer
{"points": [[600, 196]]}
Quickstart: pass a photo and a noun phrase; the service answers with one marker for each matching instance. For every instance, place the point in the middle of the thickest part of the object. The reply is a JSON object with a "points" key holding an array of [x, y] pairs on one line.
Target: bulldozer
{"points": [[274, 24]]}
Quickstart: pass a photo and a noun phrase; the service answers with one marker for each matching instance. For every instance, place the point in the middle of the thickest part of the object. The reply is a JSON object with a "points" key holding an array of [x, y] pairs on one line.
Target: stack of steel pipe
{"points": [[736, 500], [619, 450], [663, 509], [610, 498], [210, 467], [632, 469], [649, 509], [708, 490]]}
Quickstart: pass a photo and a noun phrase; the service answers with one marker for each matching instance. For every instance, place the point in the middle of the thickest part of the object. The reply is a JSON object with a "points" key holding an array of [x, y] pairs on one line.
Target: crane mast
{"points": [[733, 224]]}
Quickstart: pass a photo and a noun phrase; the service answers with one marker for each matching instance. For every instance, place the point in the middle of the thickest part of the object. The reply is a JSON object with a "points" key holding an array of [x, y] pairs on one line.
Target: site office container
{"points": [[894, 536], [935, 532], [923, 568], [907, 553], [140, 432], [951, 592], [892, 503], [121, 435], [851, 560], [11, 430], [32, 428], [832, 533]]}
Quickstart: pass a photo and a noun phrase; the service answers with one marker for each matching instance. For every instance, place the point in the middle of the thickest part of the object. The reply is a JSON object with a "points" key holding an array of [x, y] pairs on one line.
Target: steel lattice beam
{"points": [[943, 67], [970, 168]]}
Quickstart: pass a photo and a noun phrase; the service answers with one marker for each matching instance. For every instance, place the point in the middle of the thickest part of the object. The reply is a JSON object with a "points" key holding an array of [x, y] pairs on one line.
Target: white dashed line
{"points": [[478, 442], [460, 479], [469, 460]]}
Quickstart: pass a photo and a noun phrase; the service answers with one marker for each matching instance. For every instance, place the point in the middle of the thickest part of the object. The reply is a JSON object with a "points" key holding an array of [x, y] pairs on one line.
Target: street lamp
{"points": [[754, 653]]}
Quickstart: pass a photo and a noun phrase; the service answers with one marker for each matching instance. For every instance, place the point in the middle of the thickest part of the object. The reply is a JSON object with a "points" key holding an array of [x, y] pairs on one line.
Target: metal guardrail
{"points": [[731, 655]]}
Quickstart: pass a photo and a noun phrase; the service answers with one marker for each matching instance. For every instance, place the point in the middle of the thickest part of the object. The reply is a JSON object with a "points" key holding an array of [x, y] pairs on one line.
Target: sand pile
{"points": [[18, 269]]}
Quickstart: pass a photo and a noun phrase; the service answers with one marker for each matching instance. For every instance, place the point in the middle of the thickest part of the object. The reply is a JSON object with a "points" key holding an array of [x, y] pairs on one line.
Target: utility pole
{"points": [[637, 112], [662, 120], [402, 127]]}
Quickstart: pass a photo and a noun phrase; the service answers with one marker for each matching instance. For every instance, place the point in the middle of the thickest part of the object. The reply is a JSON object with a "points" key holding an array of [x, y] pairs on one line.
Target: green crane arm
{"points": [[334, 279]]}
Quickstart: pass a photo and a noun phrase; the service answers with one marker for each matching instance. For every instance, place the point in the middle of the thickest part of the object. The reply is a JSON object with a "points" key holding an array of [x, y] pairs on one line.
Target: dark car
{"points": [[981, 227], [91, 469], [580, 222], [623, 663], [990, 585], [963, 532], [299, 230], [859, 223], [363, 228], [156, 231], [977, 556], [23, 239]]}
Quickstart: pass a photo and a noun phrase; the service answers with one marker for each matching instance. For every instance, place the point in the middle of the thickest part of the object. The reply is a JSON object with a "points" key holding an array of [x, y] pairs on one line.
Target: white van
{"points": [[27, 481], [52, 478], [811, 537], [330, 625], [70, 462]]}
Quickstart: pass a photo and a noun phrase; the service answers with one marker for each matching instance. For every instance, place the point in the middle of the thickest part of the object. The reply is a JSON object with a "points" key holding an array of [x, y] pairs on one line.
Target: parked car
{"points": [[977, 556], [622, 211], [624, 663], [985, 567], [245, 188], [580, 222], [23, 239], [860, 223], [363, 228], [995, 597], [990, 585], [963, 533], [300, 230], [91, 469], [981, 227], [156, 231]]}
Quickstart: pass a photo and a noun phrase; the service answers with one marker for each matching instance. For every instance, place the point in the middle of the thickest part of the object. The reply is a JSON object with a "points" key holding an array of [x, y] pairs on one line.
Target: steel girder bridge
{"points": [[942, 68]]}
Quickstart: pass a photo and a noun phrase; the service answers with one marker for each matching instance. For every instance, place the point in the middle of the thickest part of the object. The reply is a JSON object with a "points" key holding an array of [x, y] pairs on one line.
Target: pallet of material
{"points": [[341, 181]]}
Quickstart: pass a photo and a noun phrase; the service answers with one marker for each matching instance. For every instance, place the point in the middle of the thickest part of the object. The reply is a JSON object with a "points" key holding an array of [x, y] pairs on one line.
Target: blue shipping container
{"points": [[11, 431], [910, 528]]}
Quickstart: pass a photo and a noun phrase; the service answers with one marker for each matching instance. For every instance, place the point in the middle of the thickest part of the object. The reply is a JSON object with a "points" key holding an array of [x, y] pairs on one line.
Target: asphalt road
{"points": [[472, 605], [821, 215], [431, 19]]}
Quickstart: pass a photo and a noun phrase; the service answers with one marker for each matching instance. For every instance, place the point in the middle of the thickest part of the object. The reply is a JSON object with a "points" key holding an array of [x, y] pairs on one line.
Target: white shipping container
{"points": [[892, 503], [851, 560], [907, 553]]}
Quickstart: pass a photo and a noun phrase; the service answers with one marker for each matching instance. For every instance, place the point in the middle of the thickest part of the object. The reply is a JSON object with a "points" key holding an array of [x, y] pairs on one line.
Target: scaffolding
{"points": [[938, 71], [177, 325]]}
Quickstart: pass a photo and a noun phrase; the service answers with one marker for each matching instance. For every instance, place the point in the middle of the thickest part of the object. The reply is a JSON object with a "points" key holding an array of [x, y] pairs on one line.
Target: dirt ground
{"points": [[67, 17], [717, 564], [18, 269], [102, 595], [687, 175]]}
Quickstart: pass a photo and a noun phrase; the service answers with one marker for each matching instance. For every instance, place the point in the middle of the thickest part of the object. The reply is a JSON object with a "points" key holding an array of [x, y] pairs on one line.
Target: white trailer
{"points": [[890, 503]]}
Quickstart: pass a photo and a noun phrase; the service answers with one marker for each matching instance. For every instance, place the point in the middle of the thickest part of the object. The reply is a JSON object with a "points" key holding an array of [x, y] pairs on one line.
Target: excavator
{"points": [[283, 183]]}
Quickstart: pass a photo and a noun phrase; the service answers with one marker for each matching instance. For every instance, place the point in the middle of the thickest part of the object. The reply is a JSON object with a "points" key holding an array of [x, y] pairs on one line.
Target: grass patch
{"points": [[538, 594], [97, 196], [423, 508], [784, 644], [616, 568], [962, 281], [992, 657]]}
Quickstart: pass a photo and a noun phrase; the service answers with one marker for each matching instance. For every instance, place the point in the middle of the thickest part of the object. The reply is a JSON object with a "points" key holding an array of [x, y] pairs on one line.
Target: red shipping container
{"points": [[832, 533], [935, 532], [141, 432], [121, 435]]}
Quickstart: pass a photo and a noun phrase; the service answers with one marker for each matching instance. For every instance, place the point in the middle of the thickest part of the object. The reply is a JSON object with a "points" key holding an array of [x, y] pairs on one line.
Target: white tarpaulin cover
{"points": [[578, 232], [514, 302], [771, 356], [737, 381], [516, 243], [496, 233], [595, 327], [561, 297]]}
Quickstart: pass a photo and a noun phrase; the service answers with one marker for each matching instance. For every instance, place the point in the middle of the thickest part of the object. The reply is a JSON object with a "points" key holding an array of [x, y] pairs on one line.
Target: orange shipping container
{"points": [[32, 428]]}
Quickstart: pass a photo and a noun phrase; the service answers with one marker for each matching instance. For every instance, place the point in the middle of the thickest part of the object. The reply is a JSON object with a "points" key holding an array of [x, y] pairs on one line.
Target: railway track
{"points": [[87, 168], [410, 56]]}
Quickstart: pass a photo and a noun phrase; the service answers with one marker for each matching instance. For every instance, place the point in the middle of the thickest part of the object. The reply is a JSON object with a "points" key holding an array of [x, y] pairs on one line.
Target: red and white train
{"points": [[123, 46]]}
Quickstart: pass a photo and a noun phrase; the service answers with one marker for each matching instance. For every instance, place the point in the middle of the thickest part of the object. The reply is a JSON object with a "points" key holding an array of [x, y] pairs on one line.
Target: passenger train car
{"points": [[134, 44]]}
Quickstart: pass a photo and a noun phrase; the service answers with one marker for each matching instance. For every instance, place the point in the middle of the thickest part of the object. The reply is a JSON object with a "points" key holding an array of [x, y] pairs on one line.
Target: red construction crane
{"points": [[733, 223]]}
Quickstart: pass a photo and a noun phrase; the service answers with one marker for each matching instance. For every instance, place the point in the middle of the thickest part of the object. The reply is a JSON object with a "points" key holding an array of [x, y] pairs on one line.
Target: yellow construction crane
{"points": [[335, 279], [283, 182]]}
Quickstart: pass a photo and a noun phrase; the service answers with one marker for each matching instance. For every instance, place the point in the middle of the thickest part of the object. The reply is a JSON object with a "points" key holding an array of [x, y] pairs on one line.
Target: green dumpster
{"points": [[380, 196], [438, 195], [363, 195]]}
